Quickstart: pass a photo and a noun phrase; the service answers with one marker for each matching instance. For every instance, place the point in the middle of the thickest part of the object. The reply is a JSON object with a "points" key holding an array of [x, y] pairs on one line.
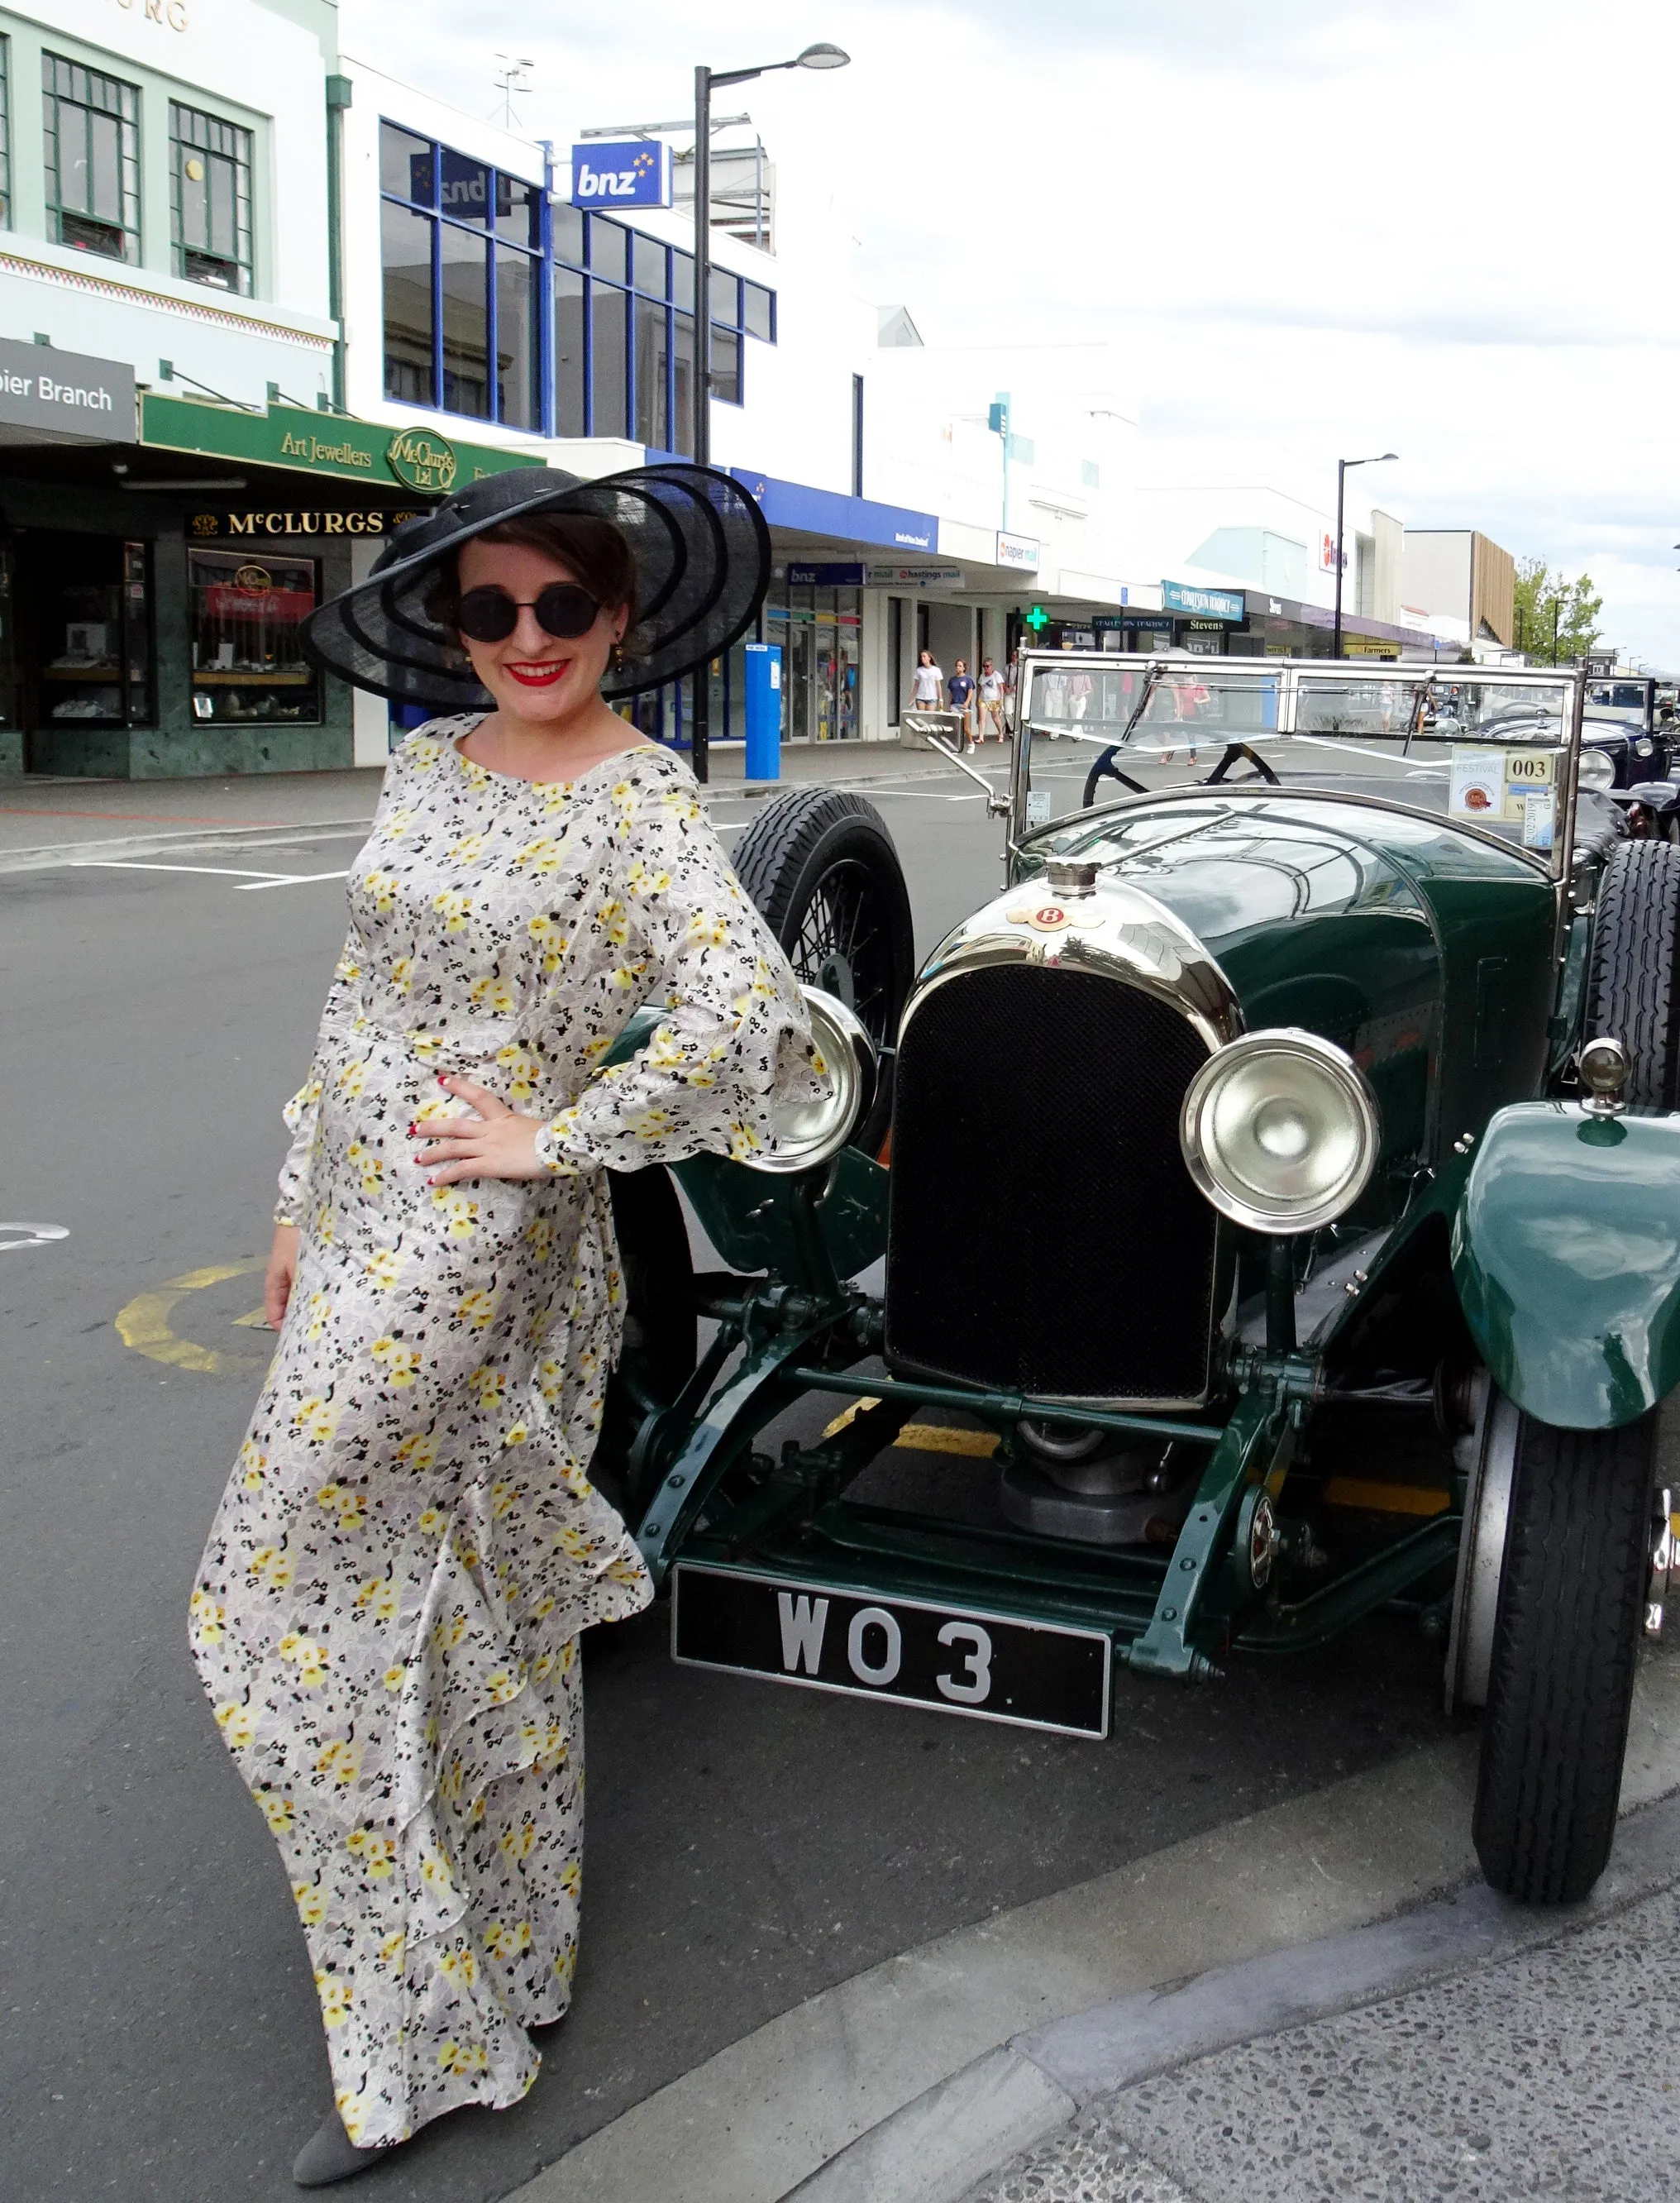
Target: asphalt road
{"points": [[747, 1845]]}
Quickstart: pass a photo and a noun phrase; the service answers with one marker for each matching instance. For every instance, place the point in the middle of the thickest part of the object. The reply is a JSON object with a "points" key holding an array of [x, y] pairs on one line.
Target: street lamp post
{"points": [[706, 81], [1342, 467]]}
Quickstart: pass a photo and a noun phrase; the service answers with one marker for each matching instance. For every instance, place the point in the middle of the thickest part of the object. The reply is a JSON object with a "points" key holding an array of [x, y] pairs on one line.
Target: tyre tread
{"points": [[1565, 1645], [1631, 979]]}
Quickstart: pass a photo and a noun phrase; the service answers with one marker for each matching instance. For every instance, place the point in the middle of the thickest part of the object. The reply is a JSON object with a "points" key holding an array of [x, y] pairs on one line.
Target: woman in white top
{"points": [[926, 687], [990, 699]]}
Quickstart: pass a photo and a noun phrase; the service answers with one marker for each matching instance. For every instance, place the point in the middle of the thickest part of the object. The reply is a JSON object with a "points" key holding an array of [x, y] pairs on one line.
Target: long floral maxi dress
{"points": [[386, 1615]]}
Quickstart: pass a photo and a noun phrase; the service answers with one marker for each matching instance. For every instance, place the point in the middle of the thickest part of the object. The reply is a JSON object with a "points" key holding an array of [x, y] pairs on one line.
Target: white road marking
{"points": [[291, 880], [220, 872], [39, 1235]]}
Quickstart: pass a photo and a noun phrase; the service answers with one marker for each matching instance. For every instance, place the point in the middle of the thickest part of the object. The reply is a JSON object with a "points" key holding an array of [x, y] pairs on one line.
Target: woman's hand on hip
{"points": [[498, 1142], [281, 1274]]}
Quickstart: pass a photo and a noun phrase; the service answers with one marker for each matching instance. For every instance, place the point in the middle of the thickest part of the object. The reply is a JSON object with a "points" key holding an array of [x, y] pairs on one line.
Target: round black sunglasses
{"points": [[562, 609]]}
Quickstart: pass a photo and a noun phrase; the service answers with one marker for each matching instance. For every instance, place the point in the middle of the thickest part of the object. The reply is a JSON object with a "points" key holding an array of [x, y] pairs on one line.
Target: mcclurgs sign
{"points": [[228, 526]]}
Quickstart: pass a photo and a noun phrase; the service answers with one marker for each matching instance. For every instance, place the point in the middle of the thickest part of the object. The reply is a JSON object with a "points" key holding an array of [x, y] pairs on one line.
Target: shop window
{"points": [[609, 249], [91, 126], [652, 362], [406, 248], [820, 632], [466, 323], [248, 662], [462, 244], [592, 348], [209, 199], [517, 401], [570, 360], [682, 385], [93, 630], [758, 312], [726, 365], [5, 133], [609, 361], [649, 265]]}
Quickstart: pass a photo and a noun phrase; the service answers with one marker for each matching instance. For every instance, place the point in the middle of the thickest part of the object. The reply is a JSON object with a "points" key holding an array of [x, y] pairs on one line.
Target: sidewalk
{"points": [[50, 822], [1287, 2009], [1543, 2075]]}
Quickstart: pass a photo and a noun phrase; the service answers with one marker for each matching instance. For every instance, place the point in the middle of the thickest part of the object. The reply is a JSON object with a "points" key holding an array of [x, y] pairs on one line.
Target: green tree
{"points": [[1543, 597]]}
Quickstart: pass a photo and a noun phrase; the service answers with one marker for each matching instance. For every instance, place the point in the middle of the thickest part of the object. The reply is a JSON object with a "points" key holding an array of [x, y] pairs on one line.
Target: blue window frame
{"points": [[464, 249], [623, 325]]}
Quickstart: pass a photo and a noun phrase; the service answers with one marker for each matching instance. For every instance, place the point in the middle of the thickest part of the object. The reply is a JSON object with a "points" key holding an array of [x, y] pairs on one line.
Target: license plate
{"points": [[952, 1660]]}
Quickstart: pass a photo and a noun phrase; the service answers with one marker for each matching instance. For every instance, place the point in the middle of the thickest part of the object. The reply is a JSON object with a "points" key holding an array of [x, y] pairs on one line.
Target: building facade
{"points": [[260, 299]]}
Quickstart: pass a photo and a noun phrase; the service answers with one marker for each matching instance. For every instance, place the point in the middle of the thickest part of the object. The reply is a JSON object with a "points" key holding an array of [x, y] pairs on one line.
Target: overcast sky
{"points": [[1313, 228]]}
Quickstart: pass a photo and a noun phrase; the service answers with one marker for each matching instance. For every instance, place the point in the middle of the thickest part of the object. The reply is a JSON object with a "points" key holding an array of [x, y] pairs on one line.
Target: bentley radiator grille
{"points": [[1044, 1234]]}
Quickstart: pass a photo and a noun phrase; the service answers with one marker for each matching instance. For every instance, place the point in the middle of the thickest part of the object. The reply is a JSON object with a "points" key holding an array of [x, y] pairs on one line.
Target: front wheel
{"points": [[1566, 1635], [820, 865]]}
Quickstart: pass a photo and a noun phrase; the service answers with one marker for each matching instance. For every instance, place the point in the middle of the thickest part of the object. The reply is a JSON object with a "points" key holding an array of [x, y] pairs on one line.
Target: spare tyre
{"points": [[820, 865], [1633, 982]]}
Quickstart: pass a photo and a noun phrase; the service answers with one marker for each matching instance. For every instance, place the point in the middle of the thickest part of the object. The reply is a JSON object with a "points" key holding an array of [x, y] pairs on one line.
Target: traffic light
{"points": [[1038, 619]]}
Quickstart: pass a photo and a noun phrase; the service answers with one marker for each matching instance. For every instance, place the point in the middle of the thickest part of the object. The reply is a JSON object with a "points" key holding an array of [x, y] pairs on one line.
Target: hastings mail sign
{"points": [[634, 173]]}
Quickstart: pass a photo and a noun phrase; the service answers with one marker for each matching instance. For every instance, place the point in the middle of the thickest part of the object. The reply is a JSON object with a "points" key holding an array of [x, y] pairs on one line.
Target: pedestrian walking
{"points": [[960, 690], [990, 699], [387, 1615], [926, 684]]}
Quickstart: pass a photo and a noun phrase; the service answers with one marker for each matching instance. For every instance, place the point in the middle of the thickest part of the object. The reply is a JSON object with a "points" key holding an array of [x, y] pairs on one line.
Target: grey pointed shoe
{"points": [[329, 2155]]}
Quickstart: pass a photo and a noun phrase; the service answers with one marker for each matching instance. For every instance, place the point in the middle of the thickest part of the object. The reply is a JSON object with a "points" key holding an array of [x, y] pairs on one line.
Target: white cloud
{"points": [[1311, 229]]}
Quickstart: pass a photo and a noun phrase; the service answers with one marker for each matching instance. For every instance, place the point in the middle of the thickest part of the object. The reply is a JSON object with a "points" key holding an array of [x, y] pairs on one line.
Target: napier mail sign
{"points": [[65, 392]]}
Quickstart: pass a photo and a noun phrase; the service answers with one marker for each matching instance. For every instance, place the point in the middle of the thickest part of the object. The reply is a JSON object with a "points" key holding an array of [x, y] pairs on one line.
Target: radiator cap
{"points": [[1069, 878]]}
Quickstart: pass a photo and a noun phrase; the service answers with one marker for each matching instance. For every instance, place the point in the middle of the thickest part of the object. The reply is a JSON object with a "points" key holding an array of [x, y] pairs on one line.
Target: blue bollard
{"points": [[763, 711]]}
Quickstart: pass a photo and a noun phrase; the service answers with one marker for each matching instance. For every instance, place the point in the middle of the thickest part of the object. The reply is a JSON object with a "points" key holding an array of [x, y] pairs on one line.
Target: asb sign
{"points": [[1203, 604], [634, 171]]}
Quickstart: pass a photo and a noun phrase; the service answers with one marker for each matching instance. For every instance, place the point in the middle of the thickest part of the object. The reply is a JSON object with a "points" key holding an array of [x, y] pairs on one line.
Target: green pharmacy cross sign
{"points": [[1038, 619], [323, 445]]}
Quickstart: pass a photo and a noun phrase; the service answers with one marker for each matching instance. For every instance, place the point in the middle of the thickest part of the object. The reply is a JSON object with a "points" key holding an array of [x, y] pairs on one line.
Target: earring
{"points": [[617, 657]]}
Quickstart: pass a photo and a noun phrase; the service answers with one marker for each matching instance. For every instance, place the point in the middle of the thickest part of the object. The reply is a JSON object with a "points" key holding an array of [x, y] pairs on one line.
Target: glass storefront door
{"points": [[83, 646], [820, 633]]}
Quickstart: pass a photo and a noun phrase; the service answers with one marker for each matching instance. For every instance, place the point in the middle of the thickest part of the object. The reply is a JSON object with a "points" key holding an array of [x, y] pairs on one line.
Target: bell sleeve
{"points": [[735, 1041], [338, 1018]]}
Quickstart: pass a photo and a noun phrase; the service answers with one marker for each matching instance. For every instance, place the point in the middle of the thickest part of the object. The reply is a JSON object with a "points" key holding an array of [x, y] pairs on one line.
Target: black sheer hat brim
{"points": [[702, 555]]}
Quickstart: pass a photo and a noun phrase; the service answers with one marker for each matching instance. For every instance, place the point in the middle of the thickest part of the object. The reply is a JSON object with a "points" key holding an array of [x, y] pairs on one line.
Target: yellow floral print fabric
{"points": [[387, 1614]]}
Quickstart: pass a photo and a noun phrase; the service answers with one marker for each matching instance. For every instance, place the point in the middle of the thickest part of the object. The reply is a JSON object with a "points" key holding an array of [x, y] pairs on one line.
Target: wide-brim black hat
{"points": [[702, 554]]}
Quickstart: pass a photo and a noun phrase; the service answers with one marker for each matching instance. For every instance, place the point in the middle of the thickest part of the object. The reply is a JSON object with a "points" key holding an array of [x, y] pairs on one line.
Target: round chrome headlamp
{"points": [[1280, 1131], [1596, 771], [808, 1132]]}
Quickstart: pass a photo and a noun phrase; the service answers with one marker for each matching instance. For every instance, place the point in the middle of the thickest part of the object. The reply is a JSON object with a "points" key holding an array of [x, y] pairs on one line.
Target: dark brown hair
{"points": [[593, 550]]}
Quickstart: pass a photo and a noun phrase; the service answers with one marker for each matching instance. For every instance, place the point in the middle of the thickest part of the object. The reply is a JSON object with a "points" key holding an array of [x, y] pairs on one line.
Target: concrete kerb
{"points": [[914, 2080]]}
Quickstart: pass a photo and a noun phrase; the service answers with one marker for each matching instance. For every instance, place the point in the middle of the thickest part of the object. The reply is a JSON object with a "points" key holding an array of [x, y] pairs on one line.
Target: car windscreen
{"points": [[1489, 752]]}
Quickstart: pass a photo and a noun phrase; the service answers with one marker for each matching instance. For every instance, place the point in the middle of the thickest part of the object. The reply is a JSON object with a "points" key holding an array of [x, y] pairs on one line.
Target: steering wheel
{"points": [[1105, 768], [1235, 753]]}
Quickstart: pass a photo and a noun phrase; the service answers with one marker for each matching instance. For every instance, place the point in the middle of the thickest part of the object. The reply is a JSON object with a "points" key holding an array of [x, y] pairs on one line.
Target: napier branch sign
{"points": [[67, 393]]}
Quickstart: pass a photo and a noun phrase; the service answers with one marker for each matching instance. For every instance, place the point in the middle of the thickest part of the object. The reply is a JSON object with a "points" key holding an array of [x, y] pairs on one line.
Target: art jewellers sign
{"points": [[322, 443]]}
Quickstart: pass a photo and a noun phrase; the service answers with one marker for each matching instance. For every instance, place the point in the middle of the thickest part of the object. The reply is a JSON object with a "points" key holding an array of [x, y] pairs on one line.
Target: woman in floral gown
{"points": [[388, 1614]]}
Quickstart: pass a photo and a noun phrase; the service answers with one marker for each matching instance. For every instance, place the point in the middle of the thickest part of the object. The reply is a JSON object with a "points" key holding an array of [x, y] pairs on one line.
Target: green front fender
{"points": [[1566, 1257]]}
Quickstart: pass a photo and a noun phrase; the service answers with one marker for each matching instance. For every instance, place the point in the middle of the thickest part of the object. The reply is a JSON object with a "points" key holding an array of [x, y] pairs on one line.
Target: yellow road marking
{"points": [[257, 1320], [941, 1437], [925, 1437], [144, 1323], [1384, 1499]]}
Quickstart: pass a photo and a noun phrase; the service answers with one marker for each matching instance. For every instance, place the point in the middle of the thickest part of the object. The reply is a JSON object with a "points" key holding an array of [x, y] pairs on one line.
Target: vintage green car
{"points": [[1279, 1216]]}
